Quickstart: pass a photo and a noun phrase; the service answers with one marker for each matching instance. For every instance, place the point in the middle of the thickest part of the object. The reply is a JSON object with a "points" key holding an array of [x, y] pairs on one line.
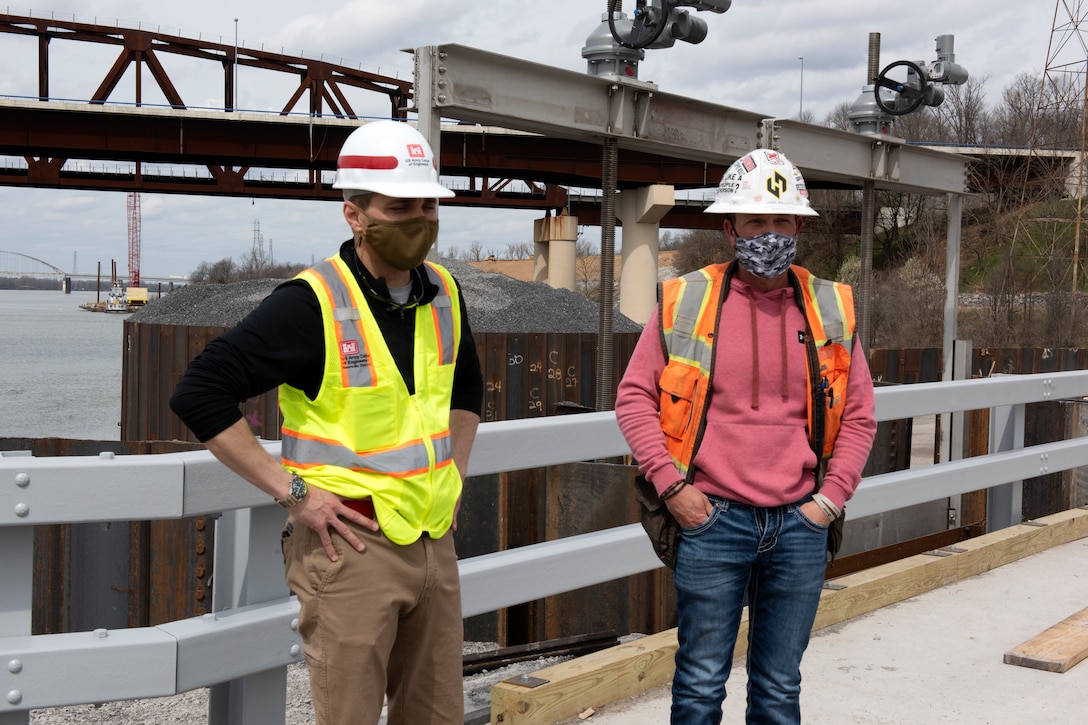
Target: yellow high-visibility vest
{"points": [[364, 435], [690, 314]]}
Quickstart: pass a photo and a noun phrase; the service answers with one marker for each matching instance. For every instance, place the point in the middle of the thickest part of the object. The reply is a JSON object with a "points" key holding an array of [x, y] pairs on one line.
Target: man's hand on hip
{"points": [[322, 510]]}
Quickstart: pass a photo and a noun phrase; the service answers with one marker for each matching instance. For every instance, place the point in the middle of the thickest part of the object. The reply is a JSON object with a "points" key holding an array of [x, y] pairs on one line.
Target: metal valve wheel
{"points": [[912, 95]]}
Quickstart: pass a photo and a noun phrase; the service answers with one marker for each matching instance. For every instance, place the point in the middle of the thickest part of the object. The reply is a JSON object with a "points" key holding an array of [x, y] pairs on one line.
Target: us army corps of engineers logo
{"points": [[351, 355]]}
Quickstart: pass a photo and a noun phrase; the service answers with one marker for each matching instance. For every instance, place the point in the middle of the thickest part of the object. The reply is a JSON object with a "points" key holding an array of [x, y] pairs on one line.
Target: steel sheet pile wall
{"points": [[1044, 422], [525, 375], [165, 575]]}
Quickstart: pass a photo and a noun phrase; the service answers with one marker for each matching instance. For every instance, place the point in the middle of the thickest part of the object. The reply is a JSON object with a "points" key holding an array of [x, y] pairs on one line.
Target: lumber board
{"points": [[633, 667], [573, 686], [1055, 649]]}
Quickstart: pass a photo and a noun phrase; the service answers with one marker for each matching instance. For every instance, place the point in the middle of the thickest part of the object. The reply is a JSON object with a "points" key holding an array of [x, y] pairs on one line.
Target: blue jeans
{"points": [[775, 556]]}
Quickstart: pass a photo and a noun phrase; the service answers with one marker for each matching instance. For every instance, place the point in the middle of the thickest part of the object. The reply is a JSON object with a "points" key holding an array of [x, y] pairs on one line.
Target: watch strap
{"points": [[295, 493]]}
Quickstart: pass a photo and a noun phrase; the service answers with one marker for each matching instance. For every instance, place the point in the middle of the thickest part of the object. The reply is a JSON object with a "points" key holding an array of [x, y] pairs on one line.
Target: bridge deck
{"points": [[933, 658]]}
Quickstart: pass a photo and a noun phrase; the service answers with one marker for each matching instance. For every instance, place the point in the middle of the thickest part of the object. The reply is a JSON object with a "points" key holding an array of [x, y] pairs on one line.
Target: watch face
{"points": [[298, 487]]}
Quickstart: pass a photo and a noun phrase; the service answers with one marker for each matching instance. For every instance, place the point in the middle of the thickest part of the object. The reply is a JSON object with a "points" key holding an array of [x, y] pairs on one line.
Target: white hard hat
{"points": [[762, 182], [390, 158]]}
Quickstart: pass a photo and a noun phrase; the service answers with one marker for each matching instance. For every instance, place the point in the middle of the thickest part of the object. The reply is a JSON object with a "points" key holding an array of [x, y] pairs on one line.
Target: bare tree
{"points": [[963, 116], [840, 117], [1013, 119], [908, 303], [700, 247], [518, 250], [219, 272], [474, 252], [587, 269]]}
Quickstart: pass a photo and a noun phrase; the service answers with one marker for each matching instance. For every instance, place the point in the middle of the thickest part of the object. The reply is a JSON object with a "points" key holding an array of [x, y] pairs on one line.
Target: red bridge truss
{"points": [[103, 143]]}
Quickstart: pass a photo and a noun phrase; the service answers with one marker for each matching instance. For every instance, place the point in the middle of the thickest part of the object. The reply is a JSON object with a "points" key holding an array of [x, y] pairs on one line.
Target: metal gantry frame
{"points": [[471, 85]]}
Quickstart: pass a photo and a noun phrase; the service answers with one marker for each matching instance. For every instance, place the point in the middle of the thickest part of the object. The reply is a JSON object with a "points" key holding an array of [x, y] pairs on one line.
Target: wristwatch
{"points": [[296, 493]]}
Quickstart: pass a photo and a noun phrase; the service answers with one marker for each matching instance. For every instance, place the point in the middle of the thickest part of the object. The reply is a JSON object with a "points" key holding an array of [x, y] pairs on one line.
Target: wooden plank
{"points": [[634, 667], [588, 681], [1056, 649]]}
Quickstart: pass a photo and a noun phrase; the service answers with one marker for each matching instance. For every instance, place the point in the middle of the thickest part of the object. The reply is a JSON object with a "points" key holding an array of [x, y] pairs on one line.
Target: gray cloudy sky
{"points": [[749, 60]]}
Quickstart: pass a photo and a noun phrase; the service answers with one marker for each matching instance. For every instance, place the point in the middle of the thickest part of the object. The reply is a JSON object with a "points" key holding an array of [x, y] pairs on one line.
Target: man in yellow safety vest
{"points": [[381, 390]]}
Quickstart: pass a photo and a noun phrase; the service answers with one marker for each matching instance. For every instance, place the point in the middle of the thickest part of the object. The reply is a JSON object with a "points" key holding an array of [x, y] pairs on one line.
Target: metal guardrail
{"points": [[254, 623]]}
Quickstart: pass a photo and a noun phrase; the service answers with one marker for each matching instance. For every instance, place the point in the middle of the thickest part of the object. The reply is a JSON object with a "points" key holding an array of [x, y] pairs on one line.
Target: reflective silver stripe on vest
{"points": [[827, 301], [406, 461], [350, 337], [681, 342], [443, 315]]}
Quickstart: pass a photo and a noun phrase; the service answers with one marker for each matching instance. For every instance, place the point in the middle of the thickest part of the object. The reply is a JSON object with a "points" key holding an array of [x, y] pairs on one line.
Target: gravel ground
{"points": [[496, 303], [191, 708]]}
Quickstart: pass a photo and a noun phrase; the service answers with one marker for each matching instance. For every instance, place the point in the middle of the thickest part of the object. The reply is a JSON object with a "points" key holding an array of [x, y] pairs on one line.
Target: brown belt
{"points": [[365, 506]]}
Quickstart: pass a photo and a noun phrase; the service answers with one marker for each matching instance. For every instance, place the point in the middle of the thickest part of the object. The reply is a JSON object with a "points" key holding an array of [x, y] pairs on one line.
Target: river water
{"points": [[60, 366]]}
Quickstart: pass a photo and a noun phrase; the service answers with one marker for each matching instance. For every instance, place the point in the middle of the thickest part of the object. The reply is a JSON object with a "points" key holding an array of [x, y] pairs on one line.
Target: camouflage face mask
{"points": [[766, 255]]}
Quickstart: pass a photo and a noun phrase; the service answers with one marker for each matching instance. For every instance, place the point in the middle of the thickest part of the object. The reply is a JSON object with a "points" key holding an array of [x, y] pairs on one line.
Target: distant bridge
{"points": [[15, 264], [147, 137]]}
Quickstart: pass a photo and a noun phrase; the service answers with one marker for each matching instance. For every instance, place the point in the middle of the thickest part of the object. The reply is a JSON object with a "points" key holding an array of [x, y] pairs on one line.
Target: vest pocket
{"points": [[835, 373], [678, 385]]}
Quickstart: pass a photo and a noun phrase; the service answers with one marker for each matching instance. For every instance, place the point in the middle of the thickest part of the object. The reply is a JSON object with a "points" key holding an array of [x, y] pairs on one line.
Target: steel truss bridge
{"points": [[149, 138]]}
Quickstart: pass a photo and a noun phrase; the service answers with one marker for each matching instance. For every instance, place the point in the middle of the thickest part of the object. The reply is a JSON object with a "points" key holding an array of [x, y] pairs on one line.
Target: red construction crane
{"points": [[134, 239]]}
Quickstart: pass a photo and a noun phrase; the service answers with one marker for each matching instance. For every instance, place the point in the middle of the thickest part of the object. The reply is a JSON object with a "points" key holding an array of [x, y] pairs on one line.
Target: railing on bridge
{"points": [[253, 627]]}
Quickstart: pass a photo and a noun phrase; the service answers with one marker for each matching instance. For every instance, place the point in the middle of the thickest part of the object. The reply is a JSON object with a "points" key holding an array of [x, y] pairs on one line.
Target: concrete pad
{"points": [[934, 658]]}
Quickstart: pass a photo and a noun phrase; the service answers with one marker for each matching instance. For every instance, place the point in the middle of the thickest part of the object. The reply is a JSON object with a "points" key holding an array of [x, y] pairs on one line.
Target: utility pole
{"points": [[801, 95]]}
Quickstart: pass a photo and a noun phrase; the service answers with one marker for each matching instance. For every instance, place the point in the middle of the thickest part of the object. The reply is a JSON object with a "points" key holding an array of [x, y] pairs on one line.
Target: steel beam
{"points": [[496, 90], [828, 155]]}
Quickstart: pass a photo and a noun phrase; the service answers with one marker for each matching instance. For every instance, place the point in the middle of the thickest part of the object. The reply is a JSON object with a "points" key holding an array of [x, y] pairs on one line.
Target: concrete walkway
{"points": [[934, 658]]}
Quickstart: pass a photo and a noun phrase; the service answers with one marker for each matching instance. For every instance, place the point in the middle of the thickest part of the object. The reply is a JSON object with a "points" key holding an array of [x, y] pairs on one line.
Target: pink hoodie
{"points": [[755, 449]]}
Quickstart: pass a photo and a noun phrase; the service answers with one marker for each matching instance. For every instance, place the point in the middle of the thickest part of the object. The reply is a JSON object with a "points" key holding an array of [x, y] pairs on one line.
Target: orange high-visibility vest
{"points": [[364, 435], [690, 314]]}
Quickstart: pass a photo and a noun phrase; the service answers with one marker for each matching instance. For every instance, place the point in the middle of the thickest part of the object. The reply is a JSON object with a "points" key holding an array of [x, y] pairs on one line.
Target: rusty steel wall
{"points": [[1044, 422], [153, 572], [525, 375]]}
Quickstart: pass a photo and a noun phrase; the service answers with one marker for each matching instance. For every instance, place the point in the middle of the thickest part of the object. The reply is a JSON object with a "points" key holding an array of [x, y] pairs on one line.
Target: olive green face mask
{"points": [[403, 245]]}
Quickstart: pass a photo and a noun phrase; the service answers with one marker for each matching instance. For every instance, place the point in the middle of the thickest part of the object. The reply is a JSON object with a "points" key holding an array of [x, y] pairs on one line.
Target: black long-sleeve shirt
{"points": [[283, 341]]}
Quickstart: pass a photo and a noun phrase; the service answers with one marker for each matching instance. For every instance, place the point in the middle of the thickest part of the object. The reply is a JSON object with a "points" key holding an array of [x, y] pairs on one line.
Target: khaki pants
{"points": [[384, 622]]}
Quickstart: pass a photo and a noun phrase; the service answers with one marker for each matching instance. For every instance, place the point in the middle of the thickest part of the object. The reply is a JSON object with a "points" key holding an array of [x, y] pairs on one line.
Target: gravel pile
{"points": [[206, 305], [496, 303], [191, 708]]}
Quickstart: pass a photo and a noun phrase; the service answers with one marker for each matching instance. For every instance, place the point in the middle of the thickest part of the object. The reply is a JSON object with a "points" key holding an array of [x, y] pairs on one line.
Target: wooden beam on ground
{"points": [[628, 669], [1057, 649]]}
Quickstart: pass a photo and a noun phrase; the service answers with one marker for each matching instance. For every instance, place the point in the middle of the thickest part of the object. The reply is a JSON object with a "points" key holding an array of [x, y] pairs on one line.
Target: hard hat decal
{"points": [[777, 185], [774, 158], [367, 162], [415, 150], [748, 163]]}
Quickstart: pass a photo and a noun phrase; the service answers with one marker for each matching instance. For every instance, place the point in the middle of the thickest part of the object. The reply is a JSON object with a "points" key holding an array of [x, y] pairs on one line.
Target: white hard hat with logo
{"points": [[390, 158], [762, 182]]}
